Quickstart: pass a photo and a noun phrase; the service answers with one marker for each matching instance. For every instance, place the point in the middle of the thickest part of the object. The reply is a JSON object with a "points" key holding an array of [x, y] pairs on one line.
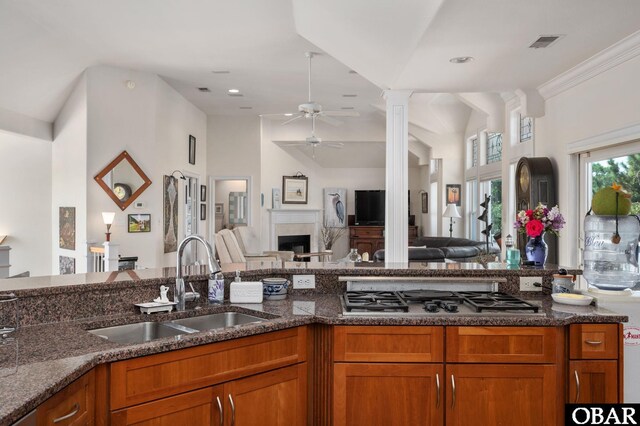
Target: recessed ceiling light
{"points": [[349, 96], [233, 90], [288, 114], [461, 59], [246, 107], [221, 72], [204, 89]]}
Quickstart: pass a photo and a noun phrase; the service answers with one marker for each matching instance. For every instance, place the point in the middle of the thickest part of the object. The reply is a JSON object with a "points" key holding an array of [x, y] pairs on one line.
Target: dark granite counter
{"points": [[53, 348]]}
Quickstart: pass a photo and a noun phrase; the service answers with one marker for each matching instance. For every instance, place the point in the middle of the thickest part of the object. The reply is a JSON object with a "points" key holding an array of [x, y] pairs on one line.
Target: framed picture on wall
{"points": [[219, 209], [425, 202], [203, 211], [139, 223], [454, 194], [295, 189], [203, 193], [192, 149]]}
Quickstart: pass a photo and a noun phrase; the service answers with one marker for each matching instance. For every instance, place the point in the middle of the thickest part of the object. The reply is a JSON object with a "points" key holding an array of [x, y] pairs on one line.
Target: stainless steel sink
{"points": [[137, 333], [145, 331], [213, 321]]}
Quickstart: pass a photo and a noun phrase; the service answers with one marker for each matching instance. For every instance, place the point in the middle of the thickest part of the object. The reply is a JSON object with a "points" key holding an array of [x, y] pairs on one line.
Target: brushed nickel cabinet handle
{"points": [[437, 391], [74, 411], [220, 410], [233, 410], [593, 342], [453, 391], [575, 373]]}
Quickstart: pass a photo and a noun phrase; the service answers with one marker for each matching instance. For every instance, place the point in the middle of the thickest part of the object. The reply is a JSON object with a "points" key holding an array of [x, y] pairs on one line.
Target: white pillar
{"points": [[111, 252], [396, 241]]}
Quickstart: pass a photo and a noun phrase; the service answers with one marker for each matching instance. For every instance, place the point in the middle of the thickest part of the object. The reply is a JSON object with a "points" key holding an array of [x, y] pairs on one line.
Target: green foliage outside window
{"points": [[624, 171]]}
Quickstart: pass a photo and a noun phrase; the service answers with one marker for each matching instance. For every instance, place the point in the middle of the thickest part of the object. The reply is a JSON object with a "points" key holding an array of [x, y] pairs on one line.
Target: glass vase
{"points": [[353, 256], [536, 250]]}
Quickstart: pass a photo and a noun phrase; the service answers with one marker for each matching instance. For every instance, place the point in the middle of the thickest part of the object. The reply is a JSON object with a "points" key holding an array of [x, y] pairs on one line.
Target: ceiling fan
{"points": [[315, 142], [313, 110]]}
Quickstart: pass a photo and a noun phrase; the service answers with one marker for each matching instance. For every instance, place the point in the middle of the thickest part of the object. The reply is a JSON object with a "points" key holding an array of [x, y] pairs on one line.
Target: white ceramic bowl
{"points": [[275, 288], [572, 299]]}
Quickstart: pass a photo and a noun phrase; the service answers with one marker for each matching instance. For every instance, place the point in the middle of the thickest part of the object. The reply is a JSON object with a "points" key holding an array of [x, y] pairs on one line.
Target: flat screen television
{"points": [[370, 207]]}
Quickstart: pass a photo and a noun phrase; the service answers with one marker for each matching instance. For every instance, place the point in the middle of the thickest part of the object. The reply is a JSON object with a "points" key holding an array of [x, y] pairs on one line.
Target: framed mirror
{"points": [[123, 180]]}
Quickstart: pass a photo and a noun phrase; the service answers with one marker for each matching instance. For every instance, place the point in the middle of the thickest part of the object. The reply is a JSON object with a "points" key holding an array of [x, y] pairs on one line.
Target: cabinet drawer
{"points": [[594, 341], [156, 376], [71, 406], [388, 344], [367, 232], [504, 344]]}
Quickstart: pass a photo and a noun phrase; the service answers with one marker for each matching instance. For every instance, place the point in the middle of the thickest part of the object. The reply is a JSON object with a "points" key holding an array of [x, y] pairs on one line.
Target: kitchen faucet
{"points": [[179, 294]]}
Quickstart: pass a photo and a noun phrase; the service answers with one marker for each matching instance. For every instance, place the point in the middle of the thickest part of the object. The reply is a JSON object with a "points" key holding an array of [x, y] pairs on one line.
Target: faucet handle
{"points": [[192, 295]]}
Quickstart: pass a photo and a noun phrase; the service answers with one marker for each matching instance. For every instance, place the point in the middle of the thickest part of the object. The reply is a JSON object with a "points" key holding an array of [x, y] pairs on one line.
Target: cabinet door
{"points": [[198, 408], [276, 398], [514, 394], [387, 394], [593, 382], [72, 406]]}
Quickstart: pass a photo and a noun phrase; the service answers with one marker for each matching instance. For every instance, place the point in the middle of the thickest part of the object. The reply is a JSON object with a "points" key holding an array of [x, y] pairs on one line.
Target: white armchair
{"points": [[228, 249], [249, 242]]}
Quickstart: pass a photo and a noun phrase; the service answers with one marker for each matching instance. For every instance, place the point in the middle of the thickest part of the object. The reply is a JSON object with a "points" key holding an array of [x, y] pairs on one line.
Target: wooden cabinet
{"points": [[371, 238], [252, 380], [276, 398], [144, 379], [398, 375], [501, 394], [595, 373], [387, 394], [72, 406], [592, 382], [200, 407]]}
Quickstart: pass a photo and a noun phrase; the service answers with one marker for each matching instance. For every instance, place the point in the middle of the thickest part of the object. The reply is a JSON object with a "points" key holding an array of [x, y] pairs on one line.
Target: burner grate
{"points": [[488, 301], [387, 301]]}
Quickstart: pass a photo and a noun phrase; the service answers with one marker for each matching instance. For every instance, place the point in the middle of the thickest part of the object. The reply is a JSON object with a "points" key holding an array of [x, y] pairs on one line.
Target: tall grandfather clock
{"points": [[535, 183]]}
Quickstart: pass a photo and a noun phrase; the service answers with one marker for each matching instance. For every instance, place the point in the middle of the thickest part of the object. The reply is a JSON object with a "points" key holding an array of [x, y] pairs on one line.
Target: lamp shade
{"points": [[107, 217], [451, 211]]}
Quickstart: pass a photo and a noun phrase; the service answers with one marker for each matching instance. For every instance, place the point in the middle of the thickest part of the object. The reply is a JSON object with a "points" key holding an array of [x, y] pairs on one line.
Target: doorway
{"points": [[230, 202]]}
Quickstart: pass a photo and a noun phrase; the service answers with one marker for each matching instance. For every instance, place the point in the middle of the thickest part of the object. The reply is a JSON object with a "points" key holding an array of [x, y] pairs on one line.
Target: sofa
{"points": [[437, 249]]}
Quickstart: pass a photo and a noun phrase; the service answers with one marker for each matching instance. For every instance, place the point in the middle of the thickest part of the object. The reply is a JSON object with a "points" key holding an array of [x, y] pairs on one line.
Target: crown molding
{"points": [[602, 61]]}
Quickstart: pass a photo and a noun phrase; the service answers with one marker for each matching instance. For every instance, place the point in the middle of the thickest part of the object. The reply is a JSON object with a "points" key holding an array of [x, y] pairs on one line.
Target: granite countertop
{"points": [[47, 357]]}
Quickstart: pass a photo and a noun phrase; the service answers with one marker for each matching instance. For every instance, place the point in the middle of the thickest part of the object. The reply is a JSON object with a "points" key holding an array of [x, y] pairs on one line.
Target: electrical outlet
{"points": [[528, 283], [304, 281]]}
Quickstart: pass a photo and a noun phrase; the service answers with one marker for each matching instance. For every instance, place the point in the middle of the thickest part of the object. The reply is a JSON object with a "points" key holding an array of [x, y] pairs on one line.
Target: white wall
{"points": [[24, 212], [153, 123], [69, 175], [234, 150], [606, 102]]}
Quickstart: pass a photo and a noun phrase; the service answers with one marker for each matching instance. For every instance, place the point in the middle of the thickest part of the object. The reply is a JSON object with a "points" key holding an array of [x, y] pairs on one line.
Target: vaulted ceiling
{"points": [[45, 46]]}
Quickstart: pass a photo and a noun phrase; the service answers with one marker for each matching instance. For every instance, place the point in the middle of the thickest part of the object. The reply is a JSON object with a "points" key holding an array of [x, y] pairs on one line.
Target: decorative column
{"points": [[396, 241], [111, 252]]}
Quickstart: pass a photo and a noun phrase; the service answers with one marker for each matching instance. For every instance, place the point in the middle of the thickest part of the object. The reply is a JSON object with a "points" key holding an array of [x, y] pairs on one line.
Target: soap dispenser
{"points": [[512, 254]]}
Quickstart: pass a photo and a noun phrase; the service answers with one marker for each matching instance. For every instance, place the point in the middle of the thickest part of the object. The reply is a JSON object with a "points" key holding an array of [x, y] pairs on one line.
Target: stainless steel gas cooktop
{"points": [[434, 302]]}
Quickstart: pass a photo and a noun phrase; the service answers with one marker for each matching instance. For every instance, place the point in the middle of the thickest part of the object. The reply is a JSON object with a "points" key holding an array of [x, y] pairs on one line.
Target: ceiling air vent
{"points": [[544, 41], [204, 89]]}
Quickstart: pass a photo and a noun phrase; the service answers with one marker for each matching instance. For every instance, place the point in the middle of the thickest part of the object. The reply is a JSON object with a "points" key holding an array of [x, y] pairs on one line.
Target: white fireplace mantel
{"points": [[294, 217]]}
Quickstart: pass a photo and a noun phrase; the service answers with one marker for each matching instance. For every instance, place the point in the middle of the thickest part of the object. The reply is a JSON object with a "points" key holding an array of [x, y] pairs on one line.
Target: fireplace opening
{"points": [[295, 243]]}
